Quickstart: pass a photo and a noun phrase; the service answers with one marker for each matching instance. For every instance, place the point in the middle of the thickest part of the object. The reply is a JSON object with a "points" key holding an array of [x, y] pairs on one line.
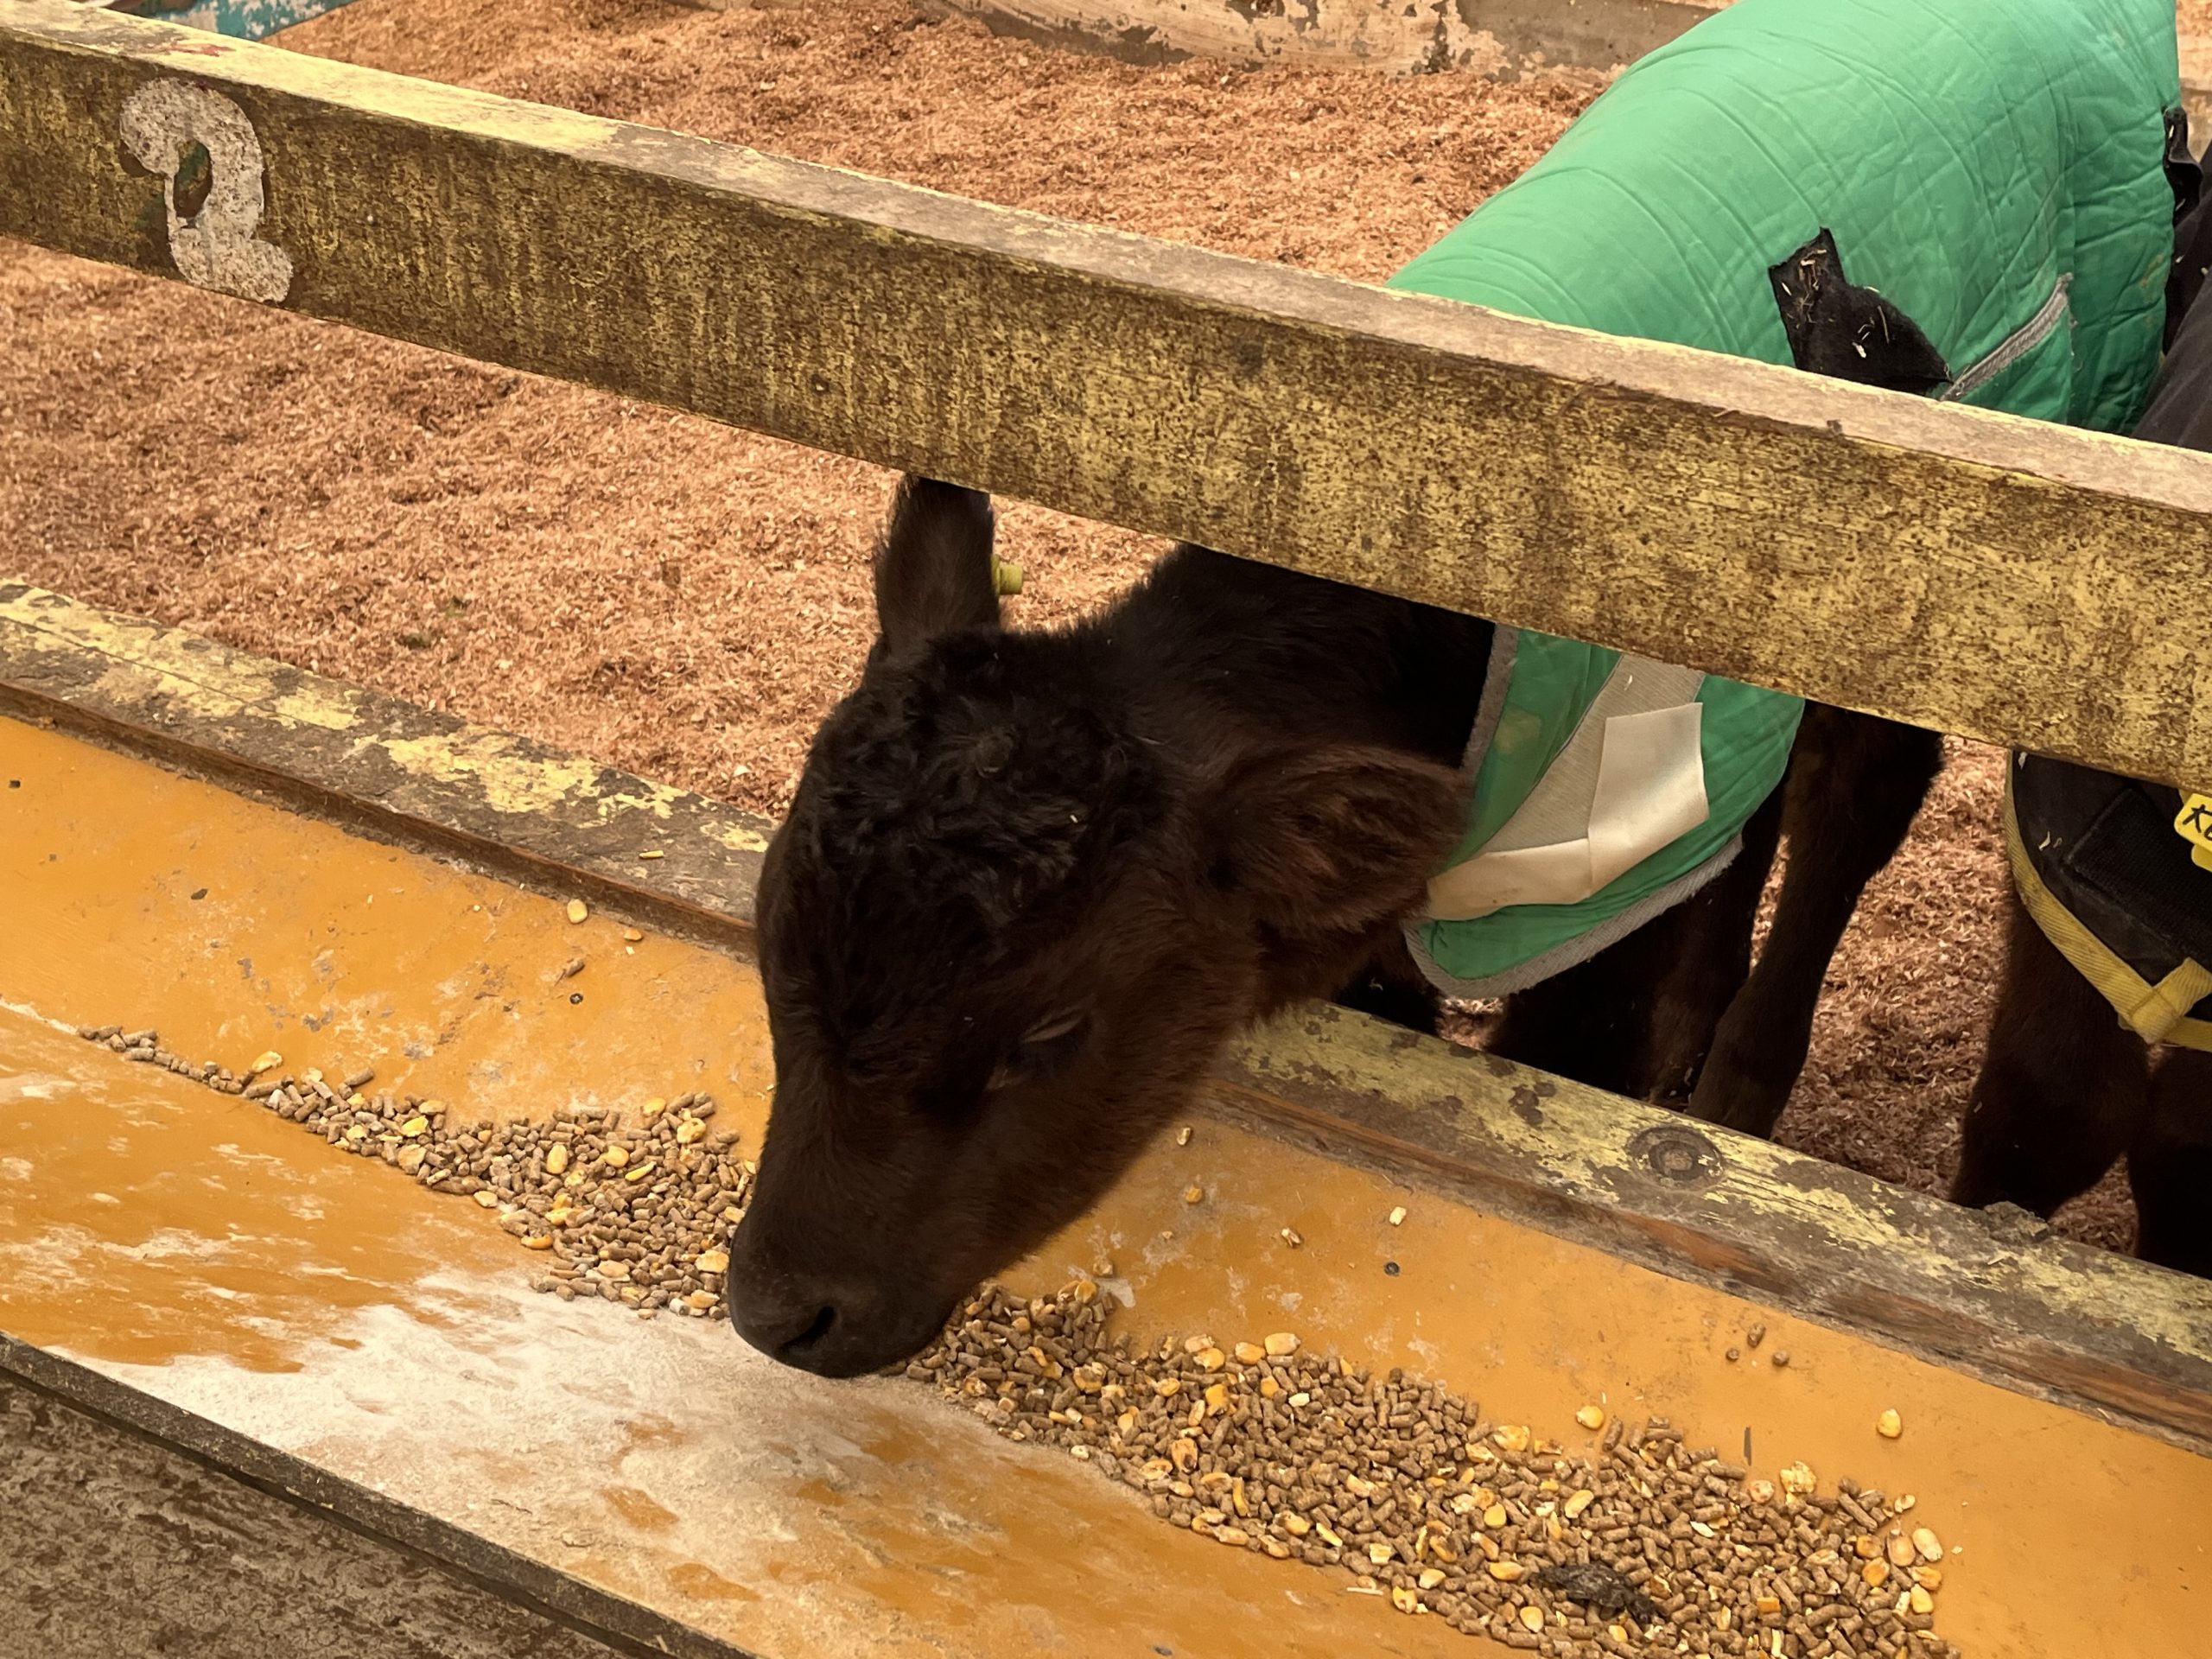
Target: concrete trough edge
{"points": [[627, 1626], [1993, 1295]]}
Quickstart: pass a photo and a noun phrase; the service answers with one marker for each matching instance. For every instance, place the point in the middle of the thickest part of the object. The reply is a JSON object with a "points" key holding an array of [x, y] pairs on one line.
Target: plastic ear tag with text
{"points": [[2194, 825]]}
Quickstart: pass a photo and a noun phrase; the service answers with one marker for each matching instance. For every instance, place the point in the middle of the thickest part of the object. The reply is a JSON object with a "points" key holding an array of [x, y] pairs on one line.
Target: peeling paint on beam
{"points": [[547, 819], [2012, 582]]}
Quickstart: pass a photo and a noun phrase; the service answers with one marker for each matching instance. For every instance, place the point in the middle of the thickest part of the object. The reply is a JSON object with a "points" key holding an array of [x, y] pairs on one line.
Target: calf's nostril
{"points": [[816, 1329]]}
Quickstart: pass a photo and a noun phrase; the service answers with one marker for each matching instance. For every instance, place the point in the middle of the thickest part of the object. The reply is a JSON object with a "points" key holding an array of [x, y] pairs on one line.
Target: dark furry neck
{"points": [[1218, 651]]}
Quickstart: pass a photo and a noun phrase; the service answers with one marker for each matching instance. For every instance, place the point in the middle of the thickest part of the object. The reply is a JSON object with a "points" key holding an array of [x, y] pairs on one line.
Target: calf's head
{"points": [[1021, 898]]}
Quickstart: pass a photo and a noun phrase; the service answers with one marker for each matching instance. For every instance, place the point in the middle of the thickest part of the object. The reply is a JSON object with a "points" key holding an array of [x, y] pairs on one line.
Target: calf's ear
{"points": [[1336, 840], [933, 566]]}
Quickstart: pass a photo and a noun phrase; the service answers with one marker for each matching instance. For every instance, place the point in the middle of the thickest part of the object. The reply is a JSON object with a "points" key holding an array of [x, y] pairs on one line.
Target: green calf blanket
{"points": [[1964, 198]]}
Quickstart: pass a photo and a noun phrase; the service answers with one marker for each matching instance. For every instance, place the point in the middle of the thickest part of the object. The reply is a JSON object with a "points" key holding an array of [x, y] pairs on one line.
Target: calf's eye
{"points": [[1042, 1046], [1053, 1029]]}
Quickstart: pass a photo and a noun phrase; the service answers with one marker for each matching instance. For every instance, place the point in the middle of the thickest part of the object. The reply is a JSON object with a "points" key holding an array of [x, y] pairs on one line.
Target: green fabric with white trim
{"points": [[1971, 157]]}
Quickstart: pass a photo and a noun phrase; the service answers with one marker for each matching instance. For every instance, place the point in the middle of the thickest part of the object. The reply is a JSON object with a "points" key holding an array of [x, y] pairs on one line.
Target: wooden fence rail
{"points": [[2013, 582]]}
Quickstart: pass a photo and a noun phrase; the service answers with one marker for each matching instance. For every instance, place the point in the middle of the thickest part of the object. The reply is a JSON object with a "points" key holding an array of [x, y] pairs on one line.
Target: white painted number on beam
{"points": [[216, 247]]}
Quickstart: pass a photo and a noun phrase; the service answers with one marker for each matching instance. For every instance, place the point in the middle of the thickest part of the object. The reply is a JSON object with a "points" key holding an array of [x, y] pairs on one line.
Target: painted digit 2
{"points": [[216, 247]]}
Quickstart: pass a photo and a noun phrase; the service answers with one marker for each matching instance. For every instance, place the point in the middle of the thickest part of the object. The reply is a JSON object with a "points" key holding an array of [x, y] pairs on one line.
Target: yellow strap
{"points": [[2157, 1014]]}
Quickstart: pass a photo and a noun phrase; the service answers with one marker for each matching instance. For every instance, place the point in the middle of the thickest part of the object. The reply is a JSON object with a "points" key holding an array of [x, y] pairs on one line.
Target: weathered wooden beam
{"points": [[2016, 583], [537, 816]]}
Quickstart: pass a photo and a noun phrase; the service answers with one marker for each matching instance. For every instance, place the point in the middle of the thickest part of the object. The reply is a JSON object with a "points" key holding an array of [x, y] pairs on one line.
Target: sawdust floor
{"points": [[686, 601]]}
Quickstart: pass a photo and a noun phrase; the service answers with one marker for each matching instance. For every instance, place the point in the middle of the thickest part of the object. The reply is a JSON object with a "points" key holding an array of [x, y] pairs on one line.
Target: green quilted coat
{"points": [[1992, 170]]}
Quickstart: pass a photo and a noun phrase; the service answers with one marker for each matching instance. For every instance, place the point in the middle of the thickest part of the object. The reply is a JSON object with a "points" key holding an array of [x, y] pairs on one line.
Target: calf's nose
{"points": [[833, 1325], [788, 1318]]}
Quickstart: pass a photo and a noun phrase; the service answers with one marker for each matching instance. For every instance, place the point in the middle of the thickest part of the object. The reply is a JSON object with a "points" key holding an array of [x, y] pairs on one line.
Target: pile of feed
{"points": [[1633, 1544], [1630, 1545], [636, 1215]]}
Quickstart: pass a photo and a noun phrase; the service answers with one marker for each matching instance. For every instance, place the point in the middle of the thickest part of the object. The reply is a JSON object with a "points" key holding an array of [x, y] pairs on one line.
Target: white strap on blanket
{"points": [[1630, 780]]}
